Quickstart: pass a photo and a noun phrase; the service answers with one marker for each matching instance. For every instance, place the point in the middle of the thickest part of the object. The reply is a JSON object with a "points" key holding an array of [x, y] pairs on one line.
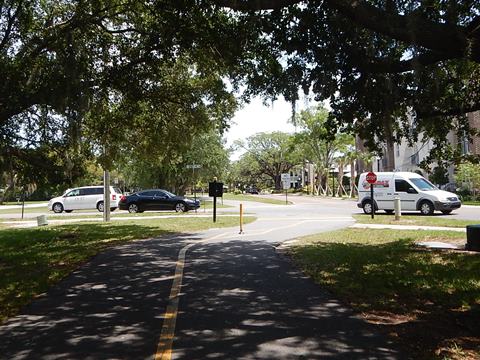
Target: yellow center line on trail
{"points": [[164, 348], [323, 218]]}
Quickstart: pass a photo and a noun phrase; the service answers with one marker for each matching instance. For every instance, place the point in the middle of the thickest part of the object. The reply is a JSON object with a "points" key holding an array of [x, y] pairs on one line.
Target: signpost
{"points": [[193, 167], [286, 180], [372, 179]]}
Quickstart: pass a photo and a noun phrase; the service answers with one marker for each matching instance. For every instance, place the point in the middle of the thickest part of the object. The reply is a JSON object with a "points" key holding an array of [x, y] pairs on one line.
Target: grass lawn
{"points": [[435, 220], [257, 198], [18, 210], [31, 260], [429, 301], [477, 203]]}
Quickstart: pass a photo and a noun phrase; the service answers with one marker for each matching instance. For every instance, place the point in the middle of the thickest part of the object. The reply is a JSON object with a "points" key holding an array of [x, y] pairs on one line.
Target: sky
{"points": [[256, 117]]}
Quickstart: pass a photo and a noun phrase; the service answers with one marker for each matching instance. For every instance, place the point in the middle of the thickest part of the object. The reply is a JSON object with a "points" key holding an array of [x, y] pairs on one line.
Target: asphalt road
{"points": [[335, 206], [216, 294]]}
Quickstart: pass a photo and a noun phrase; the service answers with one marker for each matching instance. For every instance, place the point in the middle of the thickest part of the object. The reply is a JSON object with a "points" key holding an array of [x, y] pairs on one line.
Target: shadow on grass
{"points": [[394, 276], [31, 260], [438, 292]]}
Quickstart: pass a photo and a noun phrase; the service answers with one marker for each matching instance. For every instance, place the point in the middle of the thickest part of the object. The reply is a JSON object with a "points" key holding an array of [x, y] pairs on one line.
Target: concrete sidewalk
{"points": [[406, 227], [425, 244]]}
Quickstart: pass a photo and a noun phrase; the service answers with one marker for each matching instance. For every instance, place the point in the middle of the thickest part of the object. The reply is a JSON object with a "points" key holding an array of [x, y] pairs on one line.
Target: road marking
{"points": [[165, 342], [323, 218], [164, 347]]}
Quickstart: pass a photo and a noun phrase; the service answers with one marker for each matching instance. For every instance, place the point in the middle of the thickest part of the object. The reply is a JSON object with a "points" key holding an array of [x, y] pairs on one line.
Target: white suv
{"points": [[86, 197]]}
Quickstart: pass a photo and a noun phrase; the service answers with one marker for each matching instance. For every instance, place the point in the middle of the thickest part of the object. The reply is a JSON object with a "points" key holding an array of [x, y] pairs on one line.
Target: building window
{"points": [[465, 144], [414, 159]]}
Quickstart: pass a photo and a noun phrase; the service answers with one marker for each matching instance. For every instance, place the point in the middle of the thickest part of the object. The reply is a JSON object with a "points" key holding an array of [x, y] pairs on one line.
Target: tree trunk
{"points": [[340, 179], [278, 182], [352, 178]]}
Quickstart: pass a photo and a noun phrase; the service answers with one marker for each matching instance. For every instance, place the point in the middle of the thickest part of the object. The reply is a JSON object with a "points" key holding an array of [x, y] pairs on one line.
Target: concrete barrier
{"points": [[42, 220]]}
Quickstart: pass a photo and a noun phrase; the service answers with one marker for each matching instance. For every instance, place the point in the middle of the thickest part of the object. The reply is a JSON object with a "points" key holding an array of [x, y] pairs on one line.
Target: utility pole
{"points": [[106, 196]]}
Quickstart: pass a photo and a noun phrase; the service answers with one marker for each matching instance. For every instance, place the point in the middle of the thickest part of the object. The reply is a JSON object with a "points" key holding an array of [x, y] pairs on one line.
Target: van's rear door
{"points": [[383, 193]]}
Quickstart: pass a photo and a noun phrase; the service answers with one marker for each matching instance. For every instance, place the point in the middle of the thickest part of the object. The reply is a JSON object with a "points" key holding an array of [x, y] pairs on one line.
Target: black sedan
{"points": [[156, 199]]}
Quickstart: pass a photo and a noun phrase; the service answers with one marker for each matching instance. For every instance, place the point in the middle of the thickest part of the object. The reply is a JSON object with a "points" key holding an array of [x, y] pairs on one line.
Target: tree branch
{"points": [[244, 5], [451, 111], [388, 66], [8, 29], [450, 39], [411, 29]]}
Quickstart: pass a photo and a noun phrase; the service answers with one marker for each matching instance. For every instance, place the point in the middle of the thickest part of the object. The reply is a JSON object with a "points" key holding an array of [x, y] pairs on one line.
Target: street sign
{"points": [[215, 189], [285, 177], [194, 166], [371, 178], [286, 185]]}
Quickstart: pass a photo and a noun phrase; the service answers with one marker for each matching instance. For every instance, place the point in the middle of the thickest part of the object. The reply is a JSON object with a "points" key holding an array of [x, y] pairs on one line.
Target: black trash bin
{"points": [[473, 237]]}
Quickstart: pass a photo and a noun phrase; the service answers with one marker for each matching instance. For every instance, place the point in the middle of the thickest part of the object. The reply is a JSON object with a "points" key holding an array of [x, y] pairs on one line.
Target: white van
{"points": [[415, 193], [86, 197]]}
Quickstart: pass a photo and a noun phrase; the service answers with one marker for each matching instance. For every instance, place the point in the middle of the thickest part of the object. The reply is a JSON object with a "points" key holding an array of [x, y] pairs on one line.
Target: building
{"points": [[403, 157]]}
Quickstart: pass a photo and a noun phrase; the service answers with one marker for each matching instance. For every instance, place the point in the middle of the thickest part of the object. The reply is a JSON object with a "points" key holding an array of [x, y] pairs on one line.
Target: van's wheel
{"points": [[57, 208], [112, 209], [100, 206], [133, 208], [446, 212], [367, 207], [389, 212], [426, 208], [180, 207]]}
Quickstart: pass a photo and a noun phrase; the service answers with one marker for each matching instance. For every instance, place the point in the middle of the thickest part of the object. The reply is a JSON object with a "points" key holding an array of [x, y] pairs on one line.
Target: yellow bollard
{"points": [[241, 219]]}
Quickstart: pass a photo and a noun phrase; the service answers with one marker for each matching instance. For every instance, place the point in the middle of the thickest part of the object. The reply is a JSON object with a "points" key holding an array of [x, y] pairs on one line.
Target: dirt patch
{"points": [[452, 335]]}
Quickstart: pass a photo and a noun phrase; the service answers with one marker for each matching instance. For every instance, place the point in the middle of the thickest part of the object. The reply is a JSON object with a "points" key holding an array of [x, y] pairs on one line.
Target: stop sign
{"points": [[371, 178]]}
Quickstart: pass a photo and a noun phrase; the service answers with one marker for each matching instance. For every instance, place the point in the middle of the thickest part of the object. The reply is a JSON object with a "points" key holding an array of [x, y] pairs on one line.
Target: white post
{"points": [[398, 208], [106, 196]]}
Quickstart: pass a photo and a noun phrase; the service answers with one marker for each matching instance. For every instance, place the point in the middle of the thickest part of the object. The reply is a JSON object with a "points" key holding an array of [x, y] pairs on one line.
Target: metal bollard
{"points": [[398, 208], [241, 219]]}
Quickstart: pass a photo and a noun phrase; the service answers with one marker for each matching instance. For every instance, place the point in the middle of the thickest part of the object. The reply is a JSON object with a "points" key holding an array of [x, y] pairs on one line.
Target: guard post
{"points": [[398, 207], [215, 189], [373, 201], [372, 179], [241, 219]]}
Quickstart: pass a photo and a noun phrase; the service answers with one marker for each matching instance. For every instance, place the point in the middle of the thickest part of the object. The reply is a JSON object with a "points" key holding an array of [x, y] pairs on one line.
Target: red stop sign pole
{"points": [[372, 179]]}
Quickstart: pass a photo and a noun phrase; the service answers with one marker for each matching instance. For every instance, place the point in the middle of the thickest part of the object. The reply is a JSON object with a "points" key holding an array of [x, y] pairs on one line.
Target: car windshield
{"points": [[423, 184], [169, 194]]}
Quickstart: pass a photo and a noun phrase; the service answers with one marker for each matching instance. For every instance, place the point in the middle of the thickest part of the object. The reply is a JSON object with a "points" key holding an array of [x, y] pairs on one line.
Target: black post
{"points": [[23, 203], [194, 192], [215, 202], [214, 209], [373, 202]]}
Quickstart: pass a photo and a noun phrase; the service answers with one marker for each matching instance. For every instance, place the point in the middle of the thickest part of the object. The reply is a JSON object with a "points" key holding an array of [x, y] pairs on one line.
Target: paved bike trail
{"points": [[239, 300]]}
